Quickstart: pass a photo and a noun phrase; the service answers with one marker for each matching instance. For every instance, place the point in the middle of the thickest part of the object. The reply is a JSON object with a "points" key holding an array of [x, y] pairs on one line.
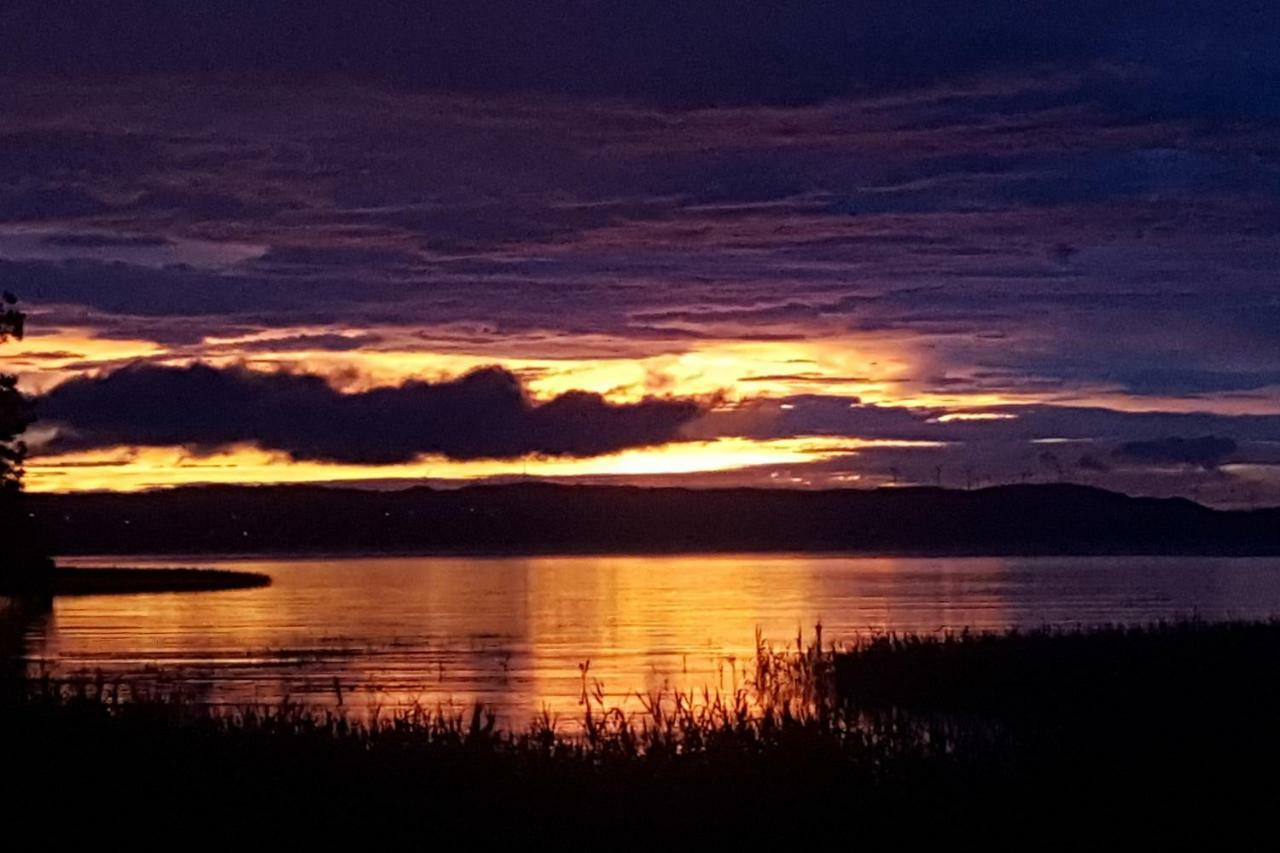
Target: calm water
{"points": [[513, 632]]}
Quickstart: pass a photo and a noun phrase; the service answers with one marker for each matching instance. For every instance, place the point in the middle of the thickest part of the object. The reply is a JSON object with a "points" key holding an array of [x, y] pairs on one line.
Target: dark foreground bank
{"points": [[1031, 741], [121, 581]]}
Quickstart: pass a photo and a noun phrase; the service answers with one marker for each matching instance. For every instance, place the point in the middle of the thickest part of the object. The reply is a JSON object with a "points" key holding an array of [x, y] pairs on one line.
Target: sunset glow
{"points": [[485, 422], [978, 261], [131, 469]]}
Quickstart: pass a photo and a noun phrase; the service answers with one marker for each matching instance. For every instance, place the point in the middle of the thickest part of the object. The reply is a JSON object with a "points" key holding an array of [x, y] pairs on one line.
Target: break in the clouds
{"points": [[895, 211]]}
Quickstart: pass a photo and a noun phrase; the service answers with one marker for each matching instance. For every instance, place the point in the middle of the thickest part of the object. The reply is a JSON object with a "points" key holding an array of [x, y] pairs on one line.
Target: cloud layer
{"points": [[1207, 451], [484, 414], [709, 52], [871, 220]]}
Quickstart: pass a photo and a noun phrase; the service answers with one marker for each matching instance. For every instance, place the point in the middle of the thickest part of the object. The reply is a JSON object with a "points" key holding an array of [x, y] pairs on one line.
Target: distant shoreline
{"points": [[92, 561], [532, 519]]}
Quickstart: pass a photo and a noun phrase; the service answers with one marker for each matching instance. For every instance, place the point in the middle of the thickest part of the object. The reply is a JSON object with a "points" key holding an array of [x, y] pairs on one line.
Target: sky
{"points": [[759, 243]]}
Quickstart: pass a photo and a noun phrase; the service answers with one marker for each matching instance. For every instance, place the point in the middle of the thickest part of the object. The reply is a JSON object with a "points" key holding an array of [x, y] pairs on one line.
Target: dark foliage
{"points": [[1024, 740], [21, 558], [15, 412], [1168, 669]]}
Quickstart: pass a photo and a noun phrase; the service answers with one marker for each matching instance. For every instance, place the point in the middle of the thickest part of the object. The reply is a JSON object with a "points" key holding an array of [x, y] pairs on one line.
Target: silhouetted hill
{"points": [[538, 517]]}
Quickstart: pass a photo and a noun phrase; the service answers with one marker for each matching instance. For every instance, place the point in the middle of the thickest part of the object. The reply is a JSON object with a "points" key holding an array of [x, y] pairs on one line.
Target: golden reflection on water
{"points": [[512, 632]]}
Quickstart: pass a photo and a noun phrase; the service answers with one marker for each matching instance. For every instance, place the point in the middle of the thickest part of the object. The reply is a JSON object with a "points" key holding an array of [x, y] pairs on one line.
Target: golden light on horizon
{"points": [[43, 361], [728, 372], [728, 368], [736, 369], [875, 369], [135, 469]]}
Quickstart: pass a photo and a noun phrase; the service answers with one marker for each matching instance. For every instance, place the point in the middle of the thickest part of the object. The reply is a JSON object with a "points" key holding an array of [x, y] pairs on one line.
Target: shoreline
{"points": [[832, 552], [1041, 520], [66, 581], [903, 732]]}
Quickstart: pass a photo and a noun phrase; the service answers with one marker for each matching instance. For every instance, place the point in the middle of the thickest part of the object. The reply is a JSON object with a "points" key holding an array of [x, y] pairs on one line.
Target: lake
{"points": [[514, 632]]}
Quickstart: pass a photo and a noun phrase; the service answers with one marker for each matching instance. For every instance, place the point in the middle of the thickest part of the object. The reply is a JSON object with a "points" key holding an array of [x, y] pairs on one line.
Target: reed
{"points": [[896, 733]]}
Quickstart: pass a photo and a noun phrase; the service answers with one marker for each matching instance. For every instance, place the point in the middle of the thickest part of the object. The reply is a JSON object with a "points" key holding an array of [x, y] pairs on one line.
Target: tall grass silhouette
{"points": [[899, 732]]}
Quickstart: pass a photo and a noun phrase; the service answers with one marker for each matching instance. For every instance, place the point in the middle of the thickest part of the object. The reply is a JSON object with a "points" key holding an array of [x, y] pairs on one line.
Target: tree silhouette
{"points": [[20, 558], [15, 413]]}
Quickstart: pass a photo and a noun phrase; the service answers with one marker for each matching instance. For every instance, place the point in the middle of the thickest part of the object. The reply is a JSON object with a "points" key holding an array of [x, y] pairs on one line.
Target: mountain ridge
{"points": [[536, 517]]}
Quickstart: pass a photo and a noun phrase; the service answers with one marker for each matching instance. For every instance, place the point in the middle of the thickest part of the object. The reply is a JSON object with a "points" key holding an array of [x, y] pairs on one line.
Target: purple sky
{"points": [[984, 242]]}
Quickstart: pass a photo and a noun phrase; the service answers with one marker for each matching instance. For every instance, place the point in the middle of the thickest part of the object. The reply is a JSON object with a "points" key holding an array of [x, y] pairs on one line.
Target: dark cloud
{"points": [[1089, 462], [1206, 452], [121, 288], [328, 342], [808, 379], [713, 51], [930, 212], [484, 414], [94, 240], [1173, 380], [199, 205], [68, 154], [321, 257], [817, 414], [48, 203]]}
